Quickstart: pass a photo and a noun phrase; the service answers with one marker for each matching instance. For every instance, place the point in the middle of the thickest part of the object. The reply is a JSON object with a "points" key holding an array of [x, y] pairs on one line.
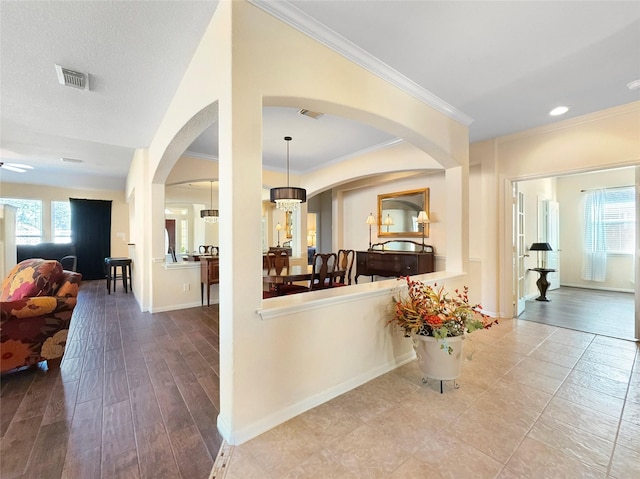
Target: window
{"points": [[61, 221], [184, 236], [28, 220], [610, 221], [620, 220]]}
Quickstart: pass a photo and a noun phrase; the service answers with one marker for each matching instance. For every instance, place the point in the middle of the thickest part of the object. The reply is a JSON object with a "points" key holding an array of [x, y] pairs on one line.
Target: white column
{"points": [[457, 227]]}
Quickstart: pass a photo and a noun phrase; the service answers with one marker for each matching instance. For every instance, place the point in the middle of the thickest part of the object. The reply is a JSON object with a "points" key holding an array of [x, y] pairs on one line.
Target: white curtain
{"points": [[594, 258]]}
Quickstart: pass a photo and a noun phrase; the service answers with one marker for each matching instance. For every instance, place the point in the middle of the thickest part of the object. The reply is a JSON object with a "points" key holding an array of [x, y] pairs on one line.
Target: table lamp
{"points": [[370, 221], [388, 221], [541, 247], [278, 228], [423, 219]]}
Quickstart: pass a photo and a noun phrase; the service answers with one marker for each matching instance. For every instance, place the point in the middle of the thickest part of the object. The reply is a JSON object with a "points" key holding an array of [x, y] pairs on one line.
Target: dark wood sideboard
{"points": [[394, 263], [209, 274]]}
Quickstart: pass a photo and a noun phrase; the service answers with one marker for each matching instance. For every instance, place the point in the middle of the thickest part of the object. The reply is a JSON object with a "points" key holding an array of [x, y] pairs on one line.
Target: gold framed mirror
{"points": [[398, 213]]}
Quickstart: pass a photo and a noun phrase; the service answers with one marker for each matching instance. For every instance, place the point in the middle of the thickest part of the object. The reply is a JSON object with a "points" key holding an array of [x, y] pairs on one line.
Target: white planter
{"points": [[436, 363]]}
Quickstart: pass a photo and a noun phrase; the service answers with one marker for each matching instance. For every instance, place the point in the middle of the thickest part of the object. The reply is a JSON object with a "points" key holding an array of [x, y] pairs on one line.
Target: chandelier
{"points": [[288, 198], [210, 216]]}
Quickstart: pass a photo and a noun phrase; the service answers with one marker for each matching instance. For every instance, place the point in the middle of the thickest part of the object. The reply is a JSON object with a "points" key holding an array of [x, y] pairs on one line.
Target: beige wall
{"points": [[262, 358], [119, 209], [603, 140]]}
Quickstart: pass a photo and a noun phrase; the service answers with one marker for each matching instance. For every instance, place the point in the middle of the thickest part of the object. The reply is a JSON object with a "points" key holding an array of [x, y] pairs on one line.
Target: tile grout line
{"points": [[221, 463]]}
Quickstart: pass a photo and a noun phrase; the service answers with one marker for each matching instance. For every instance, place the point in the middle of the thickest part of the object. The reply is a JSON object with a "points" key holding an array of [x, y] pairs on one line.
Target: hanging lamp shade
{"points": [[211, 215], [288, 198]]}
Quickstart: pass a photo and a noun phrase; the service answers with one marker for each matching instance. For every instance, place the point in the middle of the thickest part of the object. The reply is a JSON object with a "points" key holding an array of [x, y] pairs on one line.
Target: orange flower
{"points": [[14, 354], [433, 320]]}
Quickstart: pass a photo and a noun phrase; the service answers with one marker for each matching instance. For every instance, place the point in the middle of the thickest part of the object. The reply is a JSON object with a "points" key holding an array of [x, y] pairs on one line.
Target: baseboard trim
{"points": [[283, 415], [582, 286]]}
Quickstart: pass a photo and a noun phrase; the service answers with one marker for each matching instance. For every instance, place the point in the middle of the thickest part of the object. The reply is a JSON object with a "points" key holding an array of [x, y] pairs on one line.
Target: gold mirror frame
{"points": [[403, 208]]}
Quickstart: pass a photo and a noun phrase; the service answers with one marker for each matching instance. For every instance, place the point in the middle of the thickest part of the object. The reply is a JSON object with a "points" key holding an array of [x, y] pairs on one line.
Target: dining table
{"points": [[292, 274]]}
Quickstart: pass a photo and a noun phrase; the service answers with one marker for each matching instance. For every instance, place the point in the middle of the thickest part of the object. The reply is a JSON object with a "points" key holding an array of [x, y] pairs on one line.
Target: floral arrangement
{"points": [[429, 311]]}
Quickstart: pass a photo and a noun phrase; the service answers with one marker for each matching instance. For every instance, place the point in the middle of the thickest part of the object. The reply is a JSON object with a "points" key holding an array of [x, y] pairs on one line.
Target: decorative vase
{"points": [[437, 363]]}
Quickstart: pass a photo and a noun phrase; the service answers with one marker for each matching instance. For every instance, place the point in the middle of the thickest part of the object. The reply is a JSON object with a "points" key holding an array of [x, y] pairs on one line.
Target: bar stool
{"points": [[125, 270]]}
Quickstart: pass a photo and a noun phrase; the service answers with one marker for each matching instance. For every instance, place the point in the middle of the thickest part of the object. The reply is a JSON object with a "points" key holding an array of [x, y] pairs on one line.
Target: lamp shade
{"points": [[371, 220], [388, 220], [288, 193], [423, 218], [540, 247], [210, 216]]}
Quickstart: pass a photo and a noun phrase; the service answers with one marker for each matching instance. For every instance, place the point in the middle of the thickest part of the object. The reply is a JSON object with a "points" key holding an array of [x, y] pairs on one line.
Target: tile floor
{"points": [[535, 401]]}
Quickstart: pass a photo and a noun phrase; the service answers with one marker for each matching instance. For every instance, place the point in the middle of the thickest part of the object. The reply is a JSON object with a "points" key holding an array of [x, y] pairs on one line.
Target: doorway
{"points": [[560, 200]]}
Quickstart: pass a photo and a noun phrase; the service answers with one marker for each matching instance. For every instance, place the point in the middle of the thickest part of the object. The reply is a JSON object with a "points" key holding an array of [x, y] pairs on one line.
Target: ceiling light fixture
{"points": [[634, 85], [210, 216], [559, 110], [288, 198], [70, 160], [16, 167]]}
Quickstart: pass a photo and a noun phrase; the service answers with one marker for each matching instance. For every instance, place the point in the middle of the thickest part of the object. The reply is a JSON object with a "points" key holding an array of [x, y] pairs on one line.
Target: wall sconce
{"points": [[371, 220], [278, 228], [423, 219], [541, 247]]}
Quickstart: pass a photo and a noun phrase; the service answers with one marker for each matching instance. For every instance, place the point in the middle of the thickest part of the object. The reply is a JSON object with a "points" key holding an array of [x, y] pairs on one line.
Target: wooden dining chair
{"points": [[346, 258], [324, 265], [279, 261]]}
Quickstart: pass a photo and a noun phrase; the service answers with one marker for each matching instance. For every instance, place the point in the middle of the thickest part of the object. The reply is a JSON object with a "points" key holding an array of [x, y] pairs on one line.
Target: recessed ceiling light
{"points": [[634, 85], [559, 110], [70, 160]]}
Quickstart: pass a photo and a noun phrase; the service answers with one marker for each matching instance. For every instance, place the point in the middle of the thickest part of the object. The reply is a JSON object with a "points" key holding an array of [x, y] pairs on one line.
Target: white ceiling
{"points": [[503, 65]]}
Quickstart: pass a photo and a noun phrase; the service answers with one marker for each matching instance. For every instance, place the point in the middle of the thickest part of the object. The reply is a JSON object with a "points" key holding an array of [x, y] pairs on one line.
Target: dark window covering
{"points": [[91, 233]]}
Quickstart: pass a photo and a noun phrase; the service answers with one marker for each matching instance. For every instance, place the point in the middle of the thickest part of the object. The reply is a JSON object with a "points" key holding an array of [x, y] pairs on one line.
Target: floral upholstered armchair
{"points": [[37, 299]]}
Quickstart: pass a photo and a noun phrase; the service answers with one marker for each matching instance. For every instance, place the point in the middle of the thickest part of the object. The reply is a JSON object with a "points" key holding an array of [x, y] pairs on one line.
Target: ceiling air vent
{"points": [[70, 160], [311, 114], [72, 78]]}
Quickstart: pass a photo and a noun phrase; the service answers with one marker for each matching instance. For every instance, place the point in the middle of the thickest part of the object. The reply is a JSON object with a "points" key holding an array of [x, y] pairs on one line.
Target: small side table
{"points": [[543, 283]]}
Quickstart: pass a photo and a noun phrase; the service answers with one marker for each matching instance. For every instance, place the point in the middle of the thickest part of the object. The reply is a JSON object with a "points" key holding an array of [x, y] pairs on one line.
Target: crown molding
{"points": [[299, 20], [633, 107]]}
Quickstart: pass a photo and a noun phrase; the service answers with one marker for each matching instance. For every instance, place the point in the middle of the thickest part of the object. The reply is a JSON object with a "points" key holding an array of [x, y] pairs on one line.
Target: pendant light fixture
{"points": [[210, 216], [288, 198]]}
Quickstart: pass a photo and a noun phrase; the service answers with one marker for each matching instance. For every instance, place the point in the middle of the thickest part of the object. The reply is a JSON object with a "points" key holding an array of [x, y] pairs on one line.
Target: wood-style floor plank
{"points": [[16, 446], [606, 313], [116, 408]]}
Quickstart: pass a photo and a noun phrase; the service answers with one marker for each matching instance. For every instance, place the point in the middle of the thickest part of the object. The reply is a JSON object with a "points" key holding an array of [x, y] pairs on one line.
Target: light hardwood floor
{"points": [[137, 396], [608, 313]]}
